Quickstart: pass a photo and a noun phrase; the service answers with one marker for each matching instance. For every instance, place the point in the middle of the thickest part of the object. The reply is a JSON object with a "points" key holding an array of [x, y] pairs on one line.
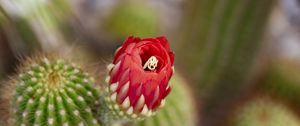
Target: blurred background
{"points": [[240, 58]]}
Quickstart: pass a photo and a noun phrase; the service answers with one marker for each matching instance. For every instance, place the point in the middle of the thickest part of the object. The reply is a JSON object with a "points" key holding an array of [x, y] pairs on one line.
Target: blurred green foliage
{"points": [[282, 80], [133, 17]]}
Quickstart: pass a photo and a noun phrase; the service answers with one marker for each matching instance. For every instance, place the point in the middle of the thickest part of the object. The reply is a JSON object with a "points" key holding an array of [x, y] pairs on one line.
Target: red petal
{"points": [[154, 96], [151, 40], [163, 40], [127, 42], [129, 48], [115, 71], [166, 93], [124, 77], [135, 92]]}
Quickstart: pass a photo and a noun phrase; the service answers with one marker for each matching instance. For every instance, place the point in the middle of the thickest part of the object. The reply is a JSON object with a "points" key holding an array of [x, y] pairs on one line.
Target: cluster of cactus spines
{"points": [[54, 92], [264, 111]]}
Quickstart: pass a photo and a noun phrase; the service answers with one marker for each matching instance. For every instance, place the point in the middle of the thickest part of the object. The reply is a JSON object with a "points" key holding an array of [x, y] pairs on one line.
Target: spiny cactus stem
{"points": [[55, 93]]}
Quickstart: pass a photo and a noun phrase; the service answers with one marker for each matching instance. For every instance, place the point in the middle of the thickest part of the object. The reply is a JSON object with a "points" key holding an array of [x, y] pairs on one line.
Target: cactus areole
{"points": [[139, 77]]}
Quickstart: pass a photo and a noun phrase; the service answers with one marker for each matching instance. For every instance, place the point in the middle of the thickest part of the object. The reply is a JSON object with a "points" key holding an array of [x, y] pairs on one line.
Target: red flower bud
{"points": [[138, 78]]}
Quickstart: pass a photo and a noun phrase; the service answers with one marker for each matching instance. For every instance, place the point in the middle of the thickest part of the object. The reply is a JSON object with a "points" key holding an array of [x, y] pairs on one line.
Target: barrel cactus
{"points": [[51, 92], [264, 111]]}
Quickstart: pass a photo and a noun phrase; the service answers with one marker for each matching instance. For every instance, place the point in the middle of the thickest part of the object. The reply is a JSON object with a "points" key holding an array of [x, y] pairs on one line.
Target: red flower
{"points": [[138, 78]]}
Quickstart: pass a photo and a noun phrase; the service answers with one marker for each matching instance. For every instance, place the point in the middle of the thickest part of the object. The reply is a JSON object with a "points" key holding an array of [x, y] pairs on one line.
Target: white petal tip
{"points": [[126, 103], [113, 97], [113, 87], [144, 110], [124, 90], [129, 110], [110, 66], [140, 102]]}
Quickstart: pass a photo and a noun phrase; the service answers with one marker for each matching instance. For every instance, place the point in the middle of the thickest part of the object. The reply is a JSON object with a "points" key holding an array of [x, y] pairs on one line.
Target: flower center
{"points": [[151, 63]]}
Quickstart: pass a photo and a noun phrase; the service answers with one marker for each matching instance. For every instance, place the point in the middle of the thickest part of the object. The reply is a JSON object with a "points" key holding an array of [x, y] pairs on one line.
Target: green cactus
{"points": [[179, 109], [223, 38], [21, 25], [264, 112], [54, 92]]}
